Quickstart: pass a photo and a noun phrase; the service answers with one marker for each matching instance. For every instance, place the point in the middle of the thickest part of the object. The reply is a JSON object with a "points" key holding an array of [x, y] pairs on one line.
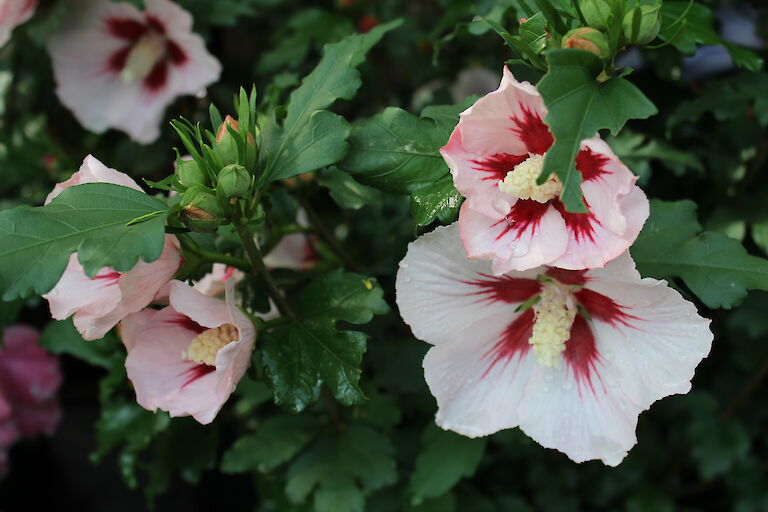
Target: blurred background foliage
{"points": [[705, 451]]}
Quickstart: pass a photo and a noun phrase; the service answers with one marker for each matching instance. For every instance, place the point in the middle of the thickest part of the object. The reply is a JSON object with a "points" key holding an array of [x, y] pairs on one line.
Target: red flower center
{"points": [[148, 53]]}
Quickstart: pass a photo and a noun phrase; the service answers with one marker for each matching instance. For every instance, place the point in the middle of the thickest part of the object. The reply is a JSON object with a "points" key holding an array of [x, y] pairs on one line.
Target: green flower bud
{"points": [[588, 39], [648, 29], [596, 12], [201, 209], [234, 181], [226, 144], [190, 174]]}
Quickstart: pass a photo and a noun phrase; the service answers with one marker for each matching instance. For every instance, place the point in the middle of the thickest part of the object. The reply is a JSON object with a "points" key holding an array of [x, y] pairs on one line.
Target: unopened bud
{"points": [[234, 181], [226, 143], [190, 174], [648, 27], [596, 13], [201, 210], [587, 39]]}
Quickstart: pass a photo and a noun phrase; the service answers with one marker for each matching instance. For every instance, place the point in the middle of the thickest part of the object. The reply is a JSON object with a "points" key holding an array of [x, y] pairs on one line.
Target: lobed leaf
{"points": [[578, 107]]}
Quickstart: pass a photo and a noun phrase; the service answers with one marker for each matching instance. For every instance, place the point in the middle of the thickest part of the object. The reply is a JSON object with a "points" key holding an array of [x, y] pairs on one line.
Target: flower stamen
{"points": [[206, 345], [555, 313], [521, 181]]}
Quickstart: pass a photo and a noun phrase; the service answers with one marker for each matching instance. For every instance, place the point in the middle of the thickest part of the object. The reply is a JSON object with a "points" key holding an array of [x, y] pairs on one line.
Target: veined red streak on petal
{"points": [[569, 277], [591, 165], [196, 372], [513, 340], [604, 308], [158, 77], [125, 28], [580, 224], [185, 322], [523, 215], [532, 131], [175, 52], [155, 23], [581, 353], [510, 290], [117, 60], [497, 166], [110, 277]]}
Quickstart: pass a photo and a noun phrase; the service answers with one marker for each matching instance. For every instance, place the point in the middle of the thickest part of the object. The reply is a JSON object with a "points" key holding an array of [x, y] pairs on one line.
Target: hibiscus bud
{"points": [[234, 181], [587, 39], [596, 12], [648, 27], [201, 209], [190, 174], [226, 144]]}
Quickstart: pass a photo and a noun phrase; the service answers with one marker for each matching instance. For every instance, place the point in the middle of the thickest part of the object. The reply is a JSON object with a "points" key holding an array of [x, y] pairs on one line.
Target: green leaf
{"points": [[439, 200], [276, 441], [578, 107], [311, 138], [698, 28], [342, 469], [715, 267], [347, 192], [95, 219], [62, 338], [396, 151], [444, 459], [302, 356]]}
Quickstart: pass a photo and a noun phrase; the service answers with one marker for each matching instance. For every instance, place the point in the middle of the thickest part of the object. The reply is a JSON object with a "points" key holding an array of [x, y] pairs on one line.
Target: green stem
{"points": [[260, 270], [325, 235], [214, 257]]}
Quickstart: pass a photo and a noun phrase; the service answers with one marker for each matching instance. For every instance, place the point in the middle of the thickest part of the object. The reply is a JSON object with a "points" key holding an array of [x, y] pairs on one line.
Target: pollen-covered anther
{"points": [[555, 312], [207, 344], [521, 181]]}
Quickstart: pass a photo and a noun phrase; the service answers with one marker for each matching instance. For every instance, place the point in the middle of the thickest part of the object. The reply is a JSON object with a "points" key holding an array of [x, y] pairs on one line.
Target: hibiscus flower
{"points": [[118, 67], [98, 303], [188, 357], [571, 357], [496, 153], [12, 14]]}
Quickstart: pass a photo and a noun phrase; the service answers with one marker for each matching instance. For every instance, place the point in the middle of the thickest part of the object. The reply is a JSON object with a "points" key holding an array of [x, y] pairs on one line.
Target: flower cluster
{"points": [[537, 315]]}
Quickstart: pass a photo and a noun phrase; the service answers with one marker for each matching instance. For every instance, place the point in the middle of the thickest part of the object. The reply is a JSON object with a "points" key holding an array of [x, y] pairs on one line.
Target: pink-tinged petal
{"points": [[495, 122], [215, 281], [531, 234], [93, 171], [171, 16], [207, 311], [89, 298], [12, 14], [444, 297], [294, 251], [99, 303]]}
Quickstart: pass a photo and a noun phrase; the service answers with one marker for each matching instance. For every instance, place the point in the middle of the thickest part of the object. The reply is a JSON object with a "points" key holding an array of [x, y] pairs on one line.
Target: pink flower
{"points": [[188, 357], [29, 381], [118, 67], [99, 303], [12, 14], [571, 357], [496, 153], [294, 251]]}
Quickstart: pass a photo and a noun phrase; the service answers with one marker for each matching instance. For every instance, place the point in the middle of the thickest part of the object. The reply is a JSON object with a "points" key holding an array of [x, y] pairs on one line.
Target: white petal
{"points": [[435, 295]]}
